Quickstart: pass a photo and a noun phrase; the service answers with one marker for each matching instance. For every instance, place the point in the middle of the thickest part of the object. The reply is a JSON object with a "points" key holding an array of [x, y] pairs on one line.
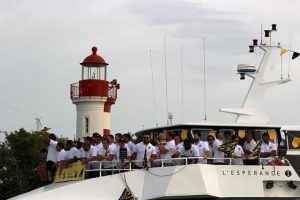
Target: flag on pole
{"points": [[295, 55], [283, 51]]}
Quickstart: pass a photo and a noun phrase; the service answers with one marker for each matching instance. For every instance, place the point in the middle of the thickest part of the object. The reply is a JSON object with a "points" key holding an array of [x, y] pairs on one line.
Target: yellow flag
{"points": [[183, 134], [283, 51], [272, 133], [241, 133], [212, 133], [296, 142]]}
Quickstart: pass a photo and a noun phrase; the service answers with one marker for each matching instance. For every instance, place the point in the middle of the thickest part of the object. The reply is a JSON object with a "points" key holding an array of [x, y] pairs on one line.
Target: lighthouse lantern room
{"points": [[93, 96]]}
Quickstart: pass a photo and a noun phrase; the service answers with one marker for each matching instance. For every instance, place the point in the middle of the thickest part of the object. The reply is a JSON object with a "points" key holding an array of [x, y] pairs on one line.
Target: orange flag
{"points": [[283, 51]]}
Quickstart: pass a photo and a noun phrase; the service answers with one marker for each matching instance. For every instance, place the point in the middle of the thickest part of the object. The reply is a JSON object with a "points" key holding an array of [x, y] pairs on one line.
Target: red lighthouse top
{"points": [[94, 59]]}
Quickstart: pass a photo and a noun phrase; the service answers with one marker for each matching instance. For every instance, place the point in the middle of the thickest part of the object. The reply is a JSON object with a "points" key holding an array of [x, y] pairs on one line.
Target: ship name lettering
{"points": [[250, 173]]}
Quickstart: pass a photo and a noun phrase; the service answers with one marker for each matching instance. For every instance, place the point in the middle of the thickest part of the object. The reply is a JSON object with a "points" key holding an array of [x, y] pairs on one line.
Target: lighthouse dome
{"points": [[94, 59]]}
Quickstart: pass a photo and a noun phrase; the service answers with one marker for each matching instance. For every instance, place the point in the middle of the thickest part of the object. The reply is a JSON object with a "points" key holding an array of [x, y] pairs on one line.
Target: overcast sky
{"points": [[43, 42]]}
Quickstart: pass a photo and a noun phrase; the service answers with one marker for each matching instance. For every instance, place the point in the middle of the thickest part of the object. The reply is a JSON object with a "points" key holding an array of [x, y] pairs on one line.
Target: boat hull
{"points": [[179, 182]]}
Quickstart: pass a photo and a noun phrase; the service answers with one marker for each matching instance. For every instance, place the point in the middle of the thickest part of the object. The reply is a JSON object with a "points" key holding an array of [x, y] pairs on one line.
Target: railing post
{"points": [[100, 169]]}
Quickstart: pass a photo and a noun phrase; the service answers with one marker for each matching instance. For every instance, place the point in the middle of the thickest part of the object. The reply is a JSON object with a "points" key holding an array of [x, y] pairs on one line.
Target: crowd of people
{"points": [[118, 152]]}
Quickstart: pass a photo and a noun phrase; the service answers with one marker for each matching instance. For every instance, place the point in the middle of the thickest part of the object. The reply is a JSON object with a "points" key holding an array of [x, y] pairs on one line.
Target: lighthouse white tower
{"points": [[93, 96]]}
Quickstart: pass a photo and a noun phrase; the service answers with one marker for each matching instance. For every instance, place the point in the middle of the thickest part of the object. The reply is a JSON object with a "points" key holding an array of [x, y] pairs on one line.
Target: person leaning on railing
{"points": [[210, 141], [267, 148], [218, 155], [61, 157], [88, 153], [122, 155], [167, 149], [107, 154], [248, 147], [238, 153], [144, 153], [189, 150]]}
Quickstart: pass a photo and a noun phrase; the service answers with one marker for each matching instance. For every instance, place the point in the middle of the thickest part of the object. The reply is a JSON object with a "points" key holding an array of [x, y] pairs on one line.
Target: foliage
{"points": [[19, 157]]}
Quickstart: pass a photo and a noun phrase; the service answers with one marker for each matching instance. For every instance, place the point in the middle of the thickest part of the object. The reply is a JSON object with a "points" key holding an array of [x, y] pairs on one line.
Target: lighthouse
{"points": [[93, 96]]}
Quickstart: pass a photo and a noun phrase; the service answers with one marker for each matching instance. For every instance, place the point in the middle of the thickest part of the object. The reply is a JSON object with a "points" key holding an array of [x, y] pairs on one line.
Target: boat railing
{"points": [[129, 165]]}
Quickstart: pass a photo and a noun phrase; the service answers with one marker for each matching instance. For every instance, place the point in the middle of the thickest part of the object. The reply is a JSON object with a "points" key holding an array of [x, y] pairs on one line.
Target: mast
{"points": [[252, 107]]}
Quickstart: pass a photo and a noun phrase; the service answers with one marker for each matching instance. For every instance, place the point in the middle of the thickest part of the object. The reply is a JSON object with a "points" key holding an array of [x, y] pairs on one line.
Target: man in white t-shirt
{"points": [[130, 144], [189, 150], [238, 153], [122, 154], [248, 147], [218, 155], [267, 149], [111, 140], [202, 147], [86, 154], [178, 145], [107, 155], [144, 153], [71, 152], [49, 165], [167, 150], [61, 157]]}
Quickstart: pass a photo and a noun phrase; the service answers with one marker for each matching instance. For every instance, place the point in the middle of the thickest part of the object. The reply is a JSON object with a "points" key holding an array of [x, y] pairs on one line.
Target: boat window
{"points": [[293, 139], [87, 125]]}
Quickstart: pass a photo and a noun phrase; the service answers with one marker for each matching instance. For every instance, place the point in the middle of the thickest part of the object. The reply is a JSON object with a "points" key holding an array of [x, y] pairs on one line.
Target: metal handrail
{"points": [[162, 161]]}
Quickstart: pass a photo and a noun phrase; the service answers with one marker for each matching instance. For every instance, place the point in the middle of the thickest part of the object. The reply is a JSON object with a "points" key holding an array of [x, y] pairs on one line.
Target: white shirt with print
{"points": [[140, 152]]}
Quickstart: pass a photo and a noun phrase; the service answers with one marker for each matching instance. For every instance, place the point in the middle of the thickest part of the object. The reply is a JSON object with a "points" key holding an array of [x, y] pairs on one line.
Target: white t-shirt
{"points": [[72, 153], [111, 150], [61, 155], [202, 147], [267, 148], [217, 153], [87, 154], [131, 146], [99, 147], [170, 146], [178, 149], [52, 152], [192, 152], [249, 146], [238, 151], [140, 152]]}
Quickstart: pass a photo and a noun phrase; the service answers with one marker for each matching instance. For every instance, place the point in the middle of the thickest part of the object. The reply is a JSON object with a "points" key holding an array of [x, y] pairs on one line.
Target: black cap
{"points": [[52, 136], [97, 135]]}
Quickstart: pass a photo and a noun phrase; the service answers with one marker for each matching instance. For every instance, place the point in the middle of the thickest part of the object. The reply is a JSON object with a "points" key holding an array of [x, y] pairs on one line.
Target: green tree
{"points": [[19, 157]]}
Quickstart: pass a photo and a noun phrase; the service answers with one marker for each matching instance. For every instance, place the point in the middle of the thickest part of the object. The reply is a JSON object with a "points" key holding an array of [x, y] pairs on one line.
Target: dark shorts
{"points": [[50, 165]]}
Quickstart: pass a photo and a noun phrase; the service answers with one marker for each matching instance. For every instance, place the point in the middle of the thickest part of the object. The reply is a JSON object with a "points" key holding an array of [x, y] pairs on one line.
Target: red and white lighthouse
{"points": [[93, 96]]}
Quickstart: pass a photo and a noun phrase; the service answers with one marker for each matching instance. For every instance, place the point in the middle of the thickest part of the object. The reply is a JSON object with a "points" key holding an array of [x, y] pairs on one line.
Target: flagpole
{"points": [[290, 57]]}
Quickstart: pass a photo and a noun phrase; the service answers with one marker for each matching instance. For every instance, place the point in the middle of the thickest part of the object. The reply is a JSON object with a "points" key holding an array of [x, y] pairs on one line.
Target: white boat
{"points": [[197, 181]]}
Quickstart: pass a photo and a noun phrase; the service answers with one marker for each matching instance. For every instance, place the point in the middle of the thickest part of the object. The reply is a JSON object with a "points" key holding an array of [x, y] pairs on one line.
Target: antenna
{"points": [[165, 52], [38, 124], [261, 32], [181, 53], [204, 80], [153, 87]]}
